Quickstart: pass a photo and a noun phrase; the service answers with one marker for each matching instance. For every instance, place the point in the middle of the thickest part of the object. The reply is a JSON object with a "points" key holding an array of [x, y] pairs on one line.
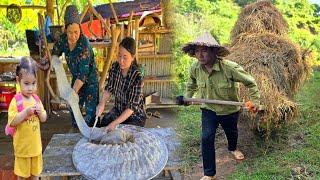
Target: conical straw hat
{"points": [[205, 39]]}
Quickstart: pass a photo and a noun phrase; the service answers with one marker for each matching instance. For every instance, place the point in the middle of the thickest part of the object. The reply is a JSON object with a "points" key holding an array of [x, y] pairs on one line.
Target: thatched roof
{"points": [[123, 9]]}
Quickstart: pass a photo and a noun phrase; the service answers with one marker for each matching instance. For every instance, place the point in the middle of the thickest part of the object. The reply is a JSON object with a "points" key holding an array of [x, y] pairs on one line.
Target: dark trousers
{"points": [[137, 120], [210, 123]]}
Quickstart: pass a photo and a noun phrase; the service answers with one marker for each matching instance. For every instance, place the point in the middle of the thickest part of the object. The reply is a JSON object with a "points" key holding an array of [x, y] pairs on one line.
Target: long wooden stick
{"points": [[129, 29], [136, 28], [211, 101], [84, 12], [115, 32], [41, 26], [113, 12], [90, 26]]}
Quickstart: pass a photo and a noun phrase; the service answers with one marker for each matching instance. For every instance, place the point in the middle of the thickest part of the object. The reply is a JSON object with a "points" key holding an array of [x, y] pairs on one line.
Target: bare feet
{"points": [[208, 178], [237, 155]]}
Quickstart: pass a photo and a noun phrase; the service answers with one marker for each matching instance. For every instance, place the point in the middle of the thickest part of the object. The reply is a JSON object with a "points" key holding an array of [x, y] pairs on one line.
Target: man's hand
{"points": [[251, 107], [180, 101]]}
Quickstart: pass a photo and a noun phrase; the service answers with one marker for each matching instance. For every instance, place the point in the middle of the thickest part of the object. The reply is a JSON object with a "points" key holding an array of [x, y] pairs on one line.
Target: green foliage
{"points": [[196, 17], [12, 36], [304, 24], [189, 132]]}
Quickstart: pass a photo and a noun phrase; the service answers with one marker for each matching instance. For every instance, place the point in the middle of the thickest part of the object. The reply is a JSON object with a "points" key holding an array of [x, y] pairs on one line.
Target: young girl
{"points": [[24, 116]]}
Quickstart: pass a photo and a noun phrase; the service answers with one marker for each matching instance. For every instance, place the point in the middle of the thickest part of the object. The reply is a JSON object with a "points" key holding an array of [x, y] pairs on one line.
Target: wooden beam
{"points": [[113, 12], [115, 33], [50, 9], [27, 7]]}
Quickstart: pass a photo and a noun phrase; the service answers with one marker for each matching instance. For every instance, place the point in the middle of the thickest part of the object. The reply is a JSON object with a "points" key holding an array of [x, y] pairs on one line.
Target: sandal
{"points": [[237, 155]]}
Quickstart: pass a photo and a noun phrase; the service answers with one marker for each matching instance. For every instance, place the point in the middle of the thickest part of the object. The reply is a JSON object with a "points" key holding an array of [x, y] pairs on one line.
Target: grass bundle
{"points": [[259, 17], [276, 64]]}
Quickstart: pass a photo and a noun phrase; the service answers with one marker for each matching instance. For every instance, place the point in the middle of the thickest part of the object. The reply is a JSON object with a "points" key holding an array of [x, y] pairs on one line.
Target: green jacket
{"points": [[221, 84]]}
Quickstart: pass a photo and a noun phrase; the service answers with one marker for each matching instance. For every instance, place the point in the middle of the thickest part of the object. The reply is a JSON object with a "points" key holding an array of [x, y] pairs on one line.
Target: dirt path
{"points": [[224, 160]]}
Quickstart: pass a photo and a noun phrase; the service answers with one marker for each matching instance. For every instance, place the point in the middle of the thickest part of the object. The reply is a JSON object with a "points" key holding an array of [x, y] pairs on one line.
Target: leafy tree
{"points": [[304, 25]]}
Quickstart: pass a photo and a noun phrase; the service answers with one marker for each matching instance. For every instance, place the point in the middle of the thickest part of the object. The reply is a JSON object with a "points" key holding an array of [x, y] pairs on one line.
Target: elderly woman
{"points": [[81, 63], [125, 83]]}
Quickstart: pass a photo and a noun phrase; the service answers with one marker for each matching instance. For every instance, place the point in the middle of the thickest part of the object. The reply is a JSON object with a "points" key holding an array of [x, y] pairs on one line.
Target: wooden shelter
{"points": [[106, 25]]}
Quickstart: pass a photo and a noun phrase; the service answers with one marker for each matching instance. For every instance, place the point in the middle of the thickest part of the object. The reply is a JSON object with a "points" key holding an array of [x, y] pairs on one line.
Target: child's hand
{"points": [[38, 109], [31, 110]]}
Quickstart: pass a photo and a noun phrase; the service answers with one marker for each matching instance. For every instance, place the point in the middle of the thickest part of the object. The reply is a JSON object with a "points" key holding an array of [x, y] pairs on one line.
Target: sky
{"points": [[315, 1]]}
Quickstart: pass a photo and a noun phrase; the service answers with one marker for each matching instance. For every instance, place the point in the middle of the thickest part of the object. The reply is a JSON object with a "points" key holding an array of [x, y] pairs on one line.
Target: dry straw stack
{"points": [[259, 43]]}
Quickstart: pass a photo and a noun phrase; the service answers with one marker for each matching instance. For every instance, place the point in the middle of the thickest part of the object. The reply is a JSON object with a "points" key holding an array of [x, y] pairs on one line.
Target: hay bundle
{"points": [[259, 17], [276, 64]]}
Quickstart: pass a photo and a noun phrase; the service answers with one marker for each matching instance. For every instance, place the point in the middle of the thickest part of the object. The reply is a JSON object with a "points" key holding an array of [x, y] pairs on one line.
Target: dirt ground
{"points": [[225, 162], [59, 122]]}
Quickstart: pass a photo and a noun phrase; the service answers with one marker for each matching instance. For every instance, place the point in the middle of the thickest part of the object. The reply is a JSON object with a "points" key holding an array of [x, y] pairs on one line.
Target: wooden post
{"points": [[122, 35], [84, 12], [108, 24], [41, 27], [115, 32], [129, 29], [136, 28], [50, 9], [113, 12]]}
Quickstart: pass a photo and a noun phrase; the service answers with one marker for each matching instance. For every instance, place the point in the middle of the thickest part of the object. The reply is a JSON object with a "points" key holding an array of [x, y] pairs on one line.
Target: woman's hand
{"points": [[111, 127], [100, 109]]}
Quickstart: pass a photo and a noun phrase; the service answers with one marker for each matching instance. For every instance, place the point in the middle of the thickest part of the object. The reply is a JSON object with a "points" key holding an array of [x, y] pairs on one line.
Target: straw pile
{"points": [[260, 17], [273, 60]]}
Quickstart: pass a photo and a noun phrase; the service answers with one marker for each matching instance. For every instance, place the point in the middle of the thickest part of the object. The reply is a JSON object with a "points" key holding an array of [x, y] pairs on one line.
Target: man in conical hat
{"points": [[214, 77]]}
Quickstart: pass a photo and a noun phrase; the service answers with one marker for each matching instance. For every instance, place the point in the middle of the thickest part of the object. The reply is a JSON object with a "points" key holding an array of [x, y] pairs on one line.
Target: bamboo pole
{"points": [[41, 26], [108, 24], [115, 32], [129, 29], [121, 32], [50, 9], [89, 8], [84, 12], [90, 26], [26, 7], [113, 12], [136, 28]]}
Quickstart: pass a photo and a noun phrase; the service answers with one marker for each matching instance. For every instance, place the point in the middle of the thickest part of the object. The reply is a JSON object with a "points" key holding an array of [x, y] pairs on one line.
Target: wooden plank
{"points": [[158, 79], [27, 7], [156, 56], [95, 44], [156, 31], [10, 60]]}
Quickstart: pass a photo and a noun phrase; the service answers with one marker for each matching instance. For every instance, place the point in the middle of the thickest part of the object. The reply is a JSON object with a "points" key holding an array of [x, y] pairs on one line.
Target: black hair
{"points": [[130, 45], [27, 64], [67, 25]]}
